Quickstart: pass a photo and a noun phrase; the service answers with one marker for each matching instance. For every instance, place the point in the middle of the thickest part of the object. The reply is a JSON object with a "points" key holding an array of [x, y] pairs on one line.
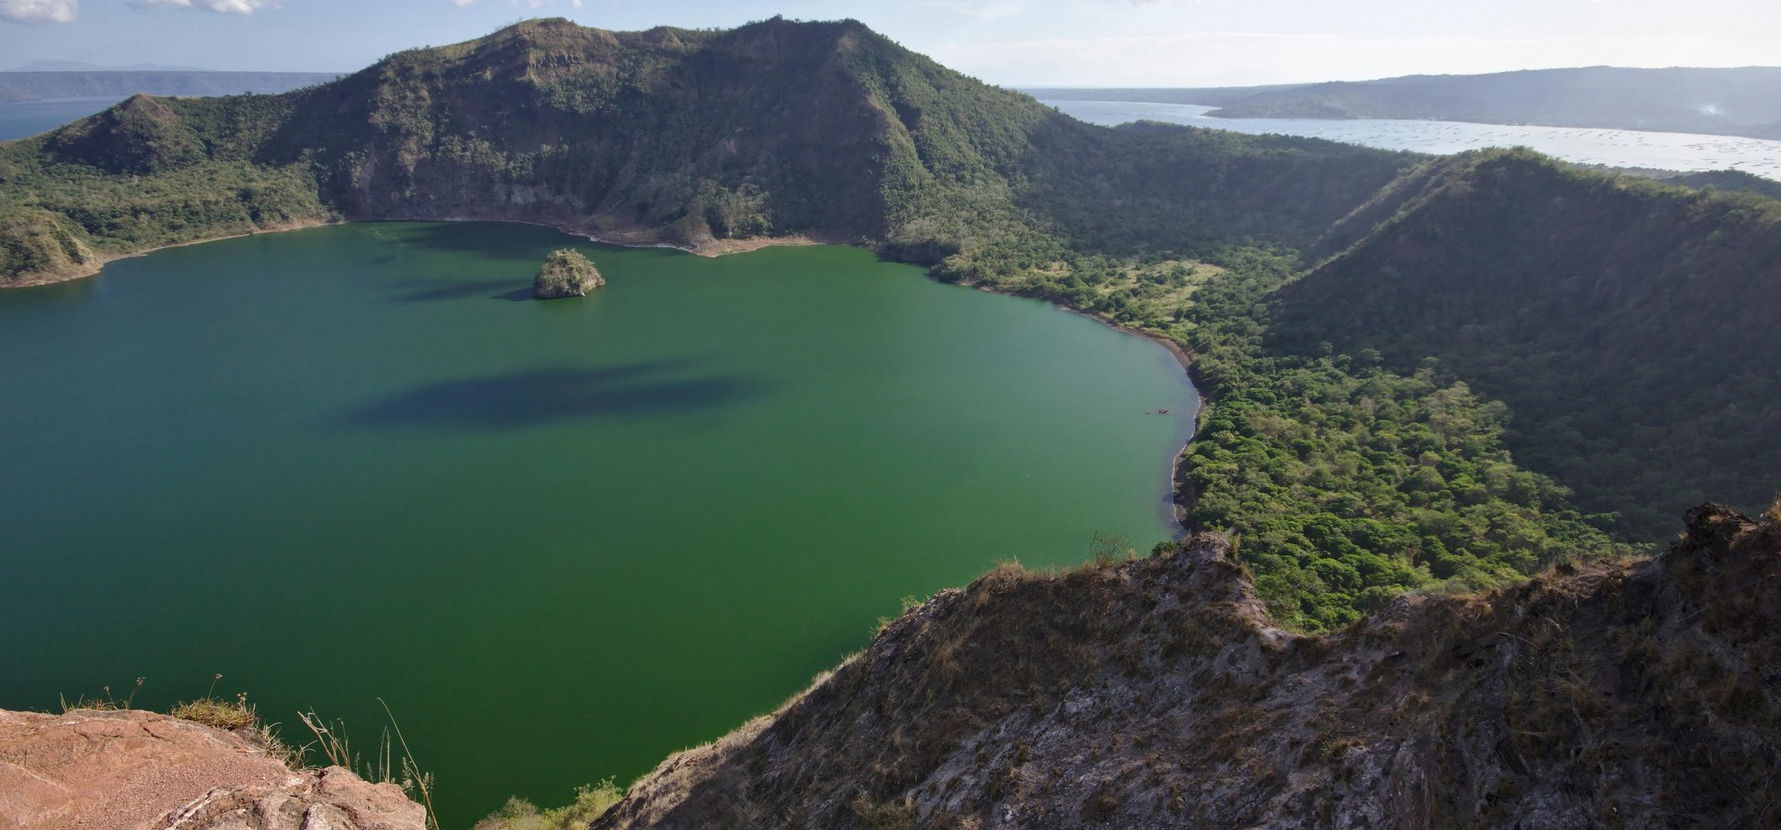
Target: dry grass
{"points": [[386, 766], [106, 703], [908, 603], [222, 714], [890, 815], [1105, 548], [83, 702], [238, 715]]}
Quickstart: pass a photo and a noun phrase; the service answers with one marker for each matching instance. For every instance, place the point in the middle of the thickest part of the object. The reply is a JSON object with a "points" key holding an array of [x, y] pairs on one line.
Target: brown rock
{"points": [[135, 770]]}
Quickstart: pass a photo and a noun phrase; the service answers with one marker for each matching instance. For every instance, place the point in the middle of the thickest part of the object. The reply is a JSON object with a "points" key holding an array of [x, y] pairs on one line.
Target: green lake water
{"points": [[561, 539]]}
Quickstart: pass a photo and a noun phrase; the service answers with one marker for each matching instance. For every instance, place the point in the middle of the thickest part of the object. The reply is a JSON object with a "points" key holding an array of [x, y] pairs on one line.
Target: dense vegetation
{"points": [[136, 176], [1344, 483], [1348, 482], [1734, 180], [1621, 320], [566, 273]]}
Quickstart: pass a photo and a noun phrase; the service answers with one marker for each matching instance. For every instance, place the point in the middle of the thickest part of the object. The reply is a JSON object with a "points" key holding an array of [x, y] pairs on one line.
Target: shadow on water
{"points": [[20, 299], [426, 291], [484, 238], [496, 239], [541, 396]]}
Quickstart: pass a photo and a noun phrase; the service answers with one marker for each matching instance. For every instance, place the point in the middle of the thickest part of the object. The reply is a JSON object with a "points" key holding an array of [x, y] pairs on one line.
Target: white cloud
{"points": [[39, 11], [219, 6]]}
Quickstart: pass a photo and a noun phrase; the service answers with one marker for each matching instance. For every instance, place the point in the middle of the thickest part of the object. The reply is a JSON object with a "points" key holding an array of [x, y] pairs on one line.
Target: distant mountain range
{"points": [[1743, 101], [68, 81]]}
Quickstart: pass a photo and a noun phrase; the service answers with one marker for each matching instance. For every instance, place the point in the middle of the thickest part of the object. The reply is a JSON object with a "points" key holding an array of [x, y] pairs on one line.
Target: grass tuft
{"points": [[222, 714], [385, 768], [83, 702]]}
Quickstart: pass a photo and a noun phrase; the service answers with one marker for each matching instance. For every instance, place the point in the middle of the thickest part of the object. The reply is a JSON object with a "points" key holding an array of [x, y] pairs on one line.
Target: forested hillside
{"points": [[1344, 482], [1621, 321], [1737, 180]]}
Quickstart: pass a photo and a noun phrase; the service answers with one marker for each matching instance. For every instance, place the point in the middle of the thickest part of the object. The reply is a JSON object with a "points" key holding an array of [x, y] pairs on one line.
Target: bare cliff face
{"points": [[1155, 693], [136, 770]]}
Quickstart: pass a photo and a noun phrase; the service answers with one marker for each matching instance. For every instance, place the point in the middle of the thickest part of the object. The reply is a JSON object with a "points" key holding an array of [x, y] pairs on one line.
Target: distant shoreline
{"points": [[1635, 150], [93, 269], [641, 238], [40, 85], [622, 239]]}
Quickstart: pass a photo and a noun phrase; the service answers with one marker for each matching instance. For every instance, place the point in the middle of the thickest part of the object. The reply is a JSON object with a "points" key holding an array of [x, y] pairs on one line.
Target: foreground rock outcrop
{"points": [[1156, 693], [136, 770]]}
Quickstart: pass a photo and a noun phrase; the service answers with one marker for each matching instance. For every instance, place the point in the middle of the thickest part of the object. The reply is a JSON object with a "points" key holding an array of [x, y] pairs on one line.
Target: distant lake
{"points": [[562, 539], [19, 120], [1686, 152], [1616, 148]]}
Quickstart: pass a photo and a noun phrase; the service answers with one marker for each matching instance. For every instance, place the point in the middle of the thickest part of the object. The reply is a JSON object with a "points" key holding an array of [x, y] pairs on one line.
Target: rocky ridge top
{"points": [[1156, 693]]}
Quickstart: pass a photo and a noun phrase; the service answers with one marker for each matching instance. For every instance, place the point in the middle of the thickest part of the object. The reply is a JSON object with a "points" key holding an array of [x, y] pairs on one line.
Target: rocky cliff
{"points": [[1156, 693], [135, 770]]}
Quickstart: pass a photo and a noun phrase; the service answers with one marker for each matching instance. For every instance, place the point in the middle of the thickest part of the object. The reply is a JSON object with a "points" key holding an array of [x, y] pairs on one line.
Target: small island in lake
{"points": [[566, 273]]}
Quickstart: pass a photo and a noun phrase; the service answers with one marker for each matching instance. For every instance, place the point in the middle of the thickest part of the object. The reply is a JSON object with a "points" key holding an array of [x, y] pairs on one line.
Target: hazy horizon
{"points": [[1035, 43], [79, 66]]}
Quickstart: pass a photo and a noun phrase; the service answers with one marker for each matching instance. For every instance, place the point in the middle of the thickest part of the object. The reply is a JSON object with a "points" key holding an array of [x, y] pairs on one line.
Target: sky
{"points": [[1007, 42]]}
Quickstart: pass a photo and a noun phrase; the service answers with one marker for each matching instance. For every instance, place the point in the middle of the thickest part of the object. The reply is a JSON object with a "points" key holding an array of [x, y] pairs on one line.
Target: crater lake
{"points": [[560, 539]]}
